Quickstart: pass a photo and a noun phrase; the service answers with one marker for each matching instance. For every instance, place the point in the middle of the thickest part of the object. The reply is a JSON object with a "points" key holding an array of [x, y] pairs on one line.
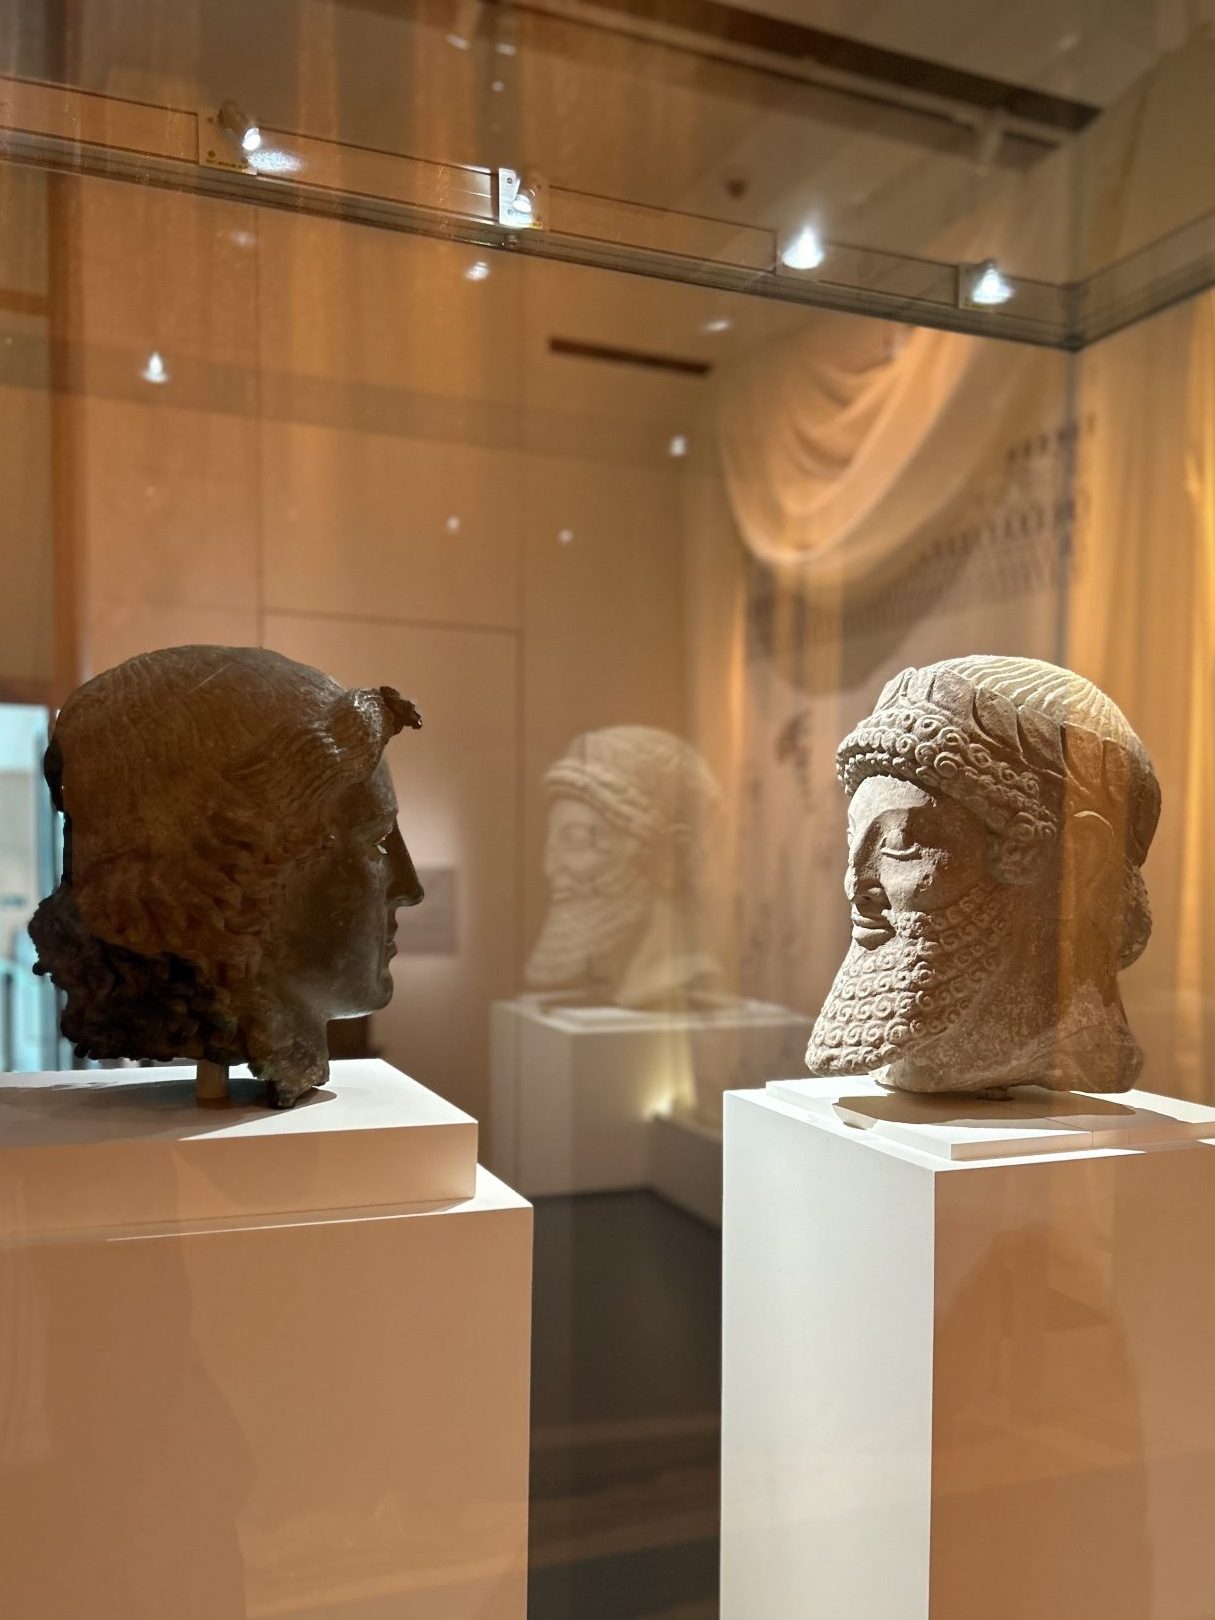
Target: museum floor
{"points": [[625, 1422]]}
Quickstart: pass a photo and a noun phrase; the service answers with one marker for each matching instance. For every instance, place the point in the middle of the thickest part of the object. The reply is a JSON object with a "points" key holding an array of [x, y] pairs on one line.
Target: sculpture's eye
{"points": [[901, 851], [382, 845]]}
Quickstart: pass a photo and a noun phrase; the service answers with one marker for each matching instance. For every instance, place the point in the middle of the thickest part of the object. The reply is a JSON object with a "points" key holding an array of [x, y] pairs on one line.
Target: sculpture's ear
{"points": [[1087, 857]]}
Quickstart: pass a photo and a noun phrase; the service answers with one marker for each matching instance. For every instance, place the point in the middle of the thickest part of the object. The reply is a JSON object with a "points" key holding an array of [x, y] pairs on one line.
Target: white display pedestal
{"points": [[956, 1385], [573, 1088], [296, 1384]]}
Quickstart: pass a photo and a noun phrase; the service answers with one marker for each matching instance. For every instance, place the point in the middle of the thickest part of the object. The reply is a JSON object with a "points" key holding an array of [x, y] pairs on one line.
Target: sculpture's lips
{"points": [[870, 932]]}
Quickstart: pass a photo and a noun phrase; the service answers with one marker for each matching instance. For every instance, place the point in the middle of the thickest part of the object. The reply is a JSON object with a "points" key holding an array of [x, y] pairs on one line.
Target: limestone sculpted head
{"points": [[632, 817], [1000, 810], [232, 862]]}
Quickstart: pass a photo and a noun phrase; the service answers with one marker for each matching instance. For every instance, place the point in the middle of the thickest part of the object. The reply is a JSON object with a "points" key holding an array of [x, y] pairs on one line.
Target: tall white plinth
{"points": [[968, 1357], [295, 1385], [574, 1088]]}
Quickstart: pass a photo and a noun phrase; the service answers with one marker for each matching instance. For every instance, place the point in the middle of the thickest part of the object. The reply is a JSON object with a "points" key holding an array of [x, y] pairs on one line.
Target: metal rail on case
{"points": [[68, 130]]}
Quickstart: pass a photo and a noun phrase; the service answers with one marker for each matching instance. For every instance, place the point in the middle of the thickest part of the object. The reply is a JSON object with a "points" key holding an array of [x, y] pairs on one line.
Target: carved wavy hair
{"points": [[191, 780]]}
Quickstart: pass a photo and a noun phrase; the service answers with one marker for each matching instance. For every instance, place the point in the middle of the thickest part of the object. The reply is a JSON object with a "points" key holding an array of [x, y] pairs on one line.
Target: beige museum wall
{"points": [[166, 475], [456, 784], [26, 515], [335, 396]]}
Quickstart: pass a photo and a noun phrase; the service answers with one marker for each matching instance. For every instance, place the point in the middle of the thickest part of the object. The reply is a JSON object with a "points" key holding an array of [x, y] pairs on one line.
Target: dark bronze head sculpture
{"points": [[232, 863]]}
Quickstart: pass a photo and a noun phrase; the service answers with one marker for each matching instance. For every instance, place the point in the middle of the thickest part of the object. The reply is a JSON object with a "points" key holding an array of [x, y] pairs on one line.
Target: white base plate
{"points": [[1032, 1120]]}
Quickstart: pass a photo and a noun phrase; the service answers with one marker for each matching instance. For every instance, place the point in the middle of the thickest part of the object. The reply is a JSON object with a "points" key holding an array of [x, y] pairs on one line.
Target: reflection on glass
{"points": [[633, 812]]}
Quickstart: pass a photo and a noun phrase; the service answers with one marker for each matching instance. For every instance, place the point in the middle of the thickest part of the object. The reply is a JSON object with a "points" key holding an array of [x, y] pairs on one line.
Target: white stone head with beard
{"points": [[627, 860], [1000, 810]]}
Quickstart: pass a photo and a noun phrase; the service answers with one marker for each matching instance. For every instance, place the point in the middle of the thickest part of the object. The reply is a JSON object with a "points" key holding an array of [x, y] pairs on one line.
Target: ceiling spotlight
{"points": [[478, 270], [805, 251], [720, 323], [239, 128], [453, 525], [983, 284], [678, 445], [521, 198], [565, 536], [155, 370]]}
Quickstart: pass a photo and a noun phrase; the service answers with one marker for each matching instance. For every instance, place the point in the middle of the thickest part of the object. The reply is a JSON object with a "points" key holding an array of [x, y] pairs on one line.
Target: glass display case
{"points": [[640, 388]]}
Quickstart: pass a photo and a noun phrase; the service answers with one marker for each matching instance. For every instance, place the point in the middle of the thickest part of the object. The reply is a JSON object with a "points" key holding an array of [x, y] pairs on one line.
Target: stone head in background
{"points": [[232, 863], [1000, 811], [633, 813]]}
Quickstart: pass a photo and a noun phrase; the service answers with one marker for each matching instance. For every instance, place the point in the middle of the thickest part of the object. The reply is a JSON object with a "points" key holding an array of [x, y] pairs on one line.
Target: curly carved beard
{"points": [[889, 1002], [590, 934]]}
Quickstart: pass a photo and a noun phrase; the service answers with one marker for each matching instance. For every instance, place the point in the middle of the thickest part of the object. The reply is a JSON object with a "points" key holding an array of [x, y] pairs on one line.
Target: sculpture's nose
{"points": [[867, 899], [866, 896], [404, 889]]}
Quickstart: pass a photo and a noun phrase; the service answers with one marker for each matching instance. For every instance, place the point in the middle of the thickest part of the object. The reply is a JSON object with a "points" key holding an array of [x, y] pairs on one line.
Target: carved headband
{"points": [[606, 791], [1018, 770]]}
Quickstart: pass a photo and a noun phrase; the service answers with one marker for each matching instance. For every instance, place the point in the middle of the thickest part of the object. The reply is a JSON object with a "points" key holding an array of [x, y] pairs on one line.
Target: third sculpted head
{"points": [[633, 811]]}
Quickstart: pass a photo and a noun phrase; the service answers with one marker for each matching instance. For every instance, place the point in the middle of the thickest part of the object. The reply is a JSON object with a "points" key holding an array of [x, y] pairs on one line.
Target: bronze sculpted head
{"points": [[1000, 812], [232, 863]]}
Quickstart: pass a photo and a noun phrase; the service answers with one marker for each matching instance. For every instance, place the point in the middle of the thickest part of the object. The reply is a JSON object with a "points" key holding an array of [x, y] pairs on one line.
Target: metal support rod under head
{"points": [[211, 1085]]}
